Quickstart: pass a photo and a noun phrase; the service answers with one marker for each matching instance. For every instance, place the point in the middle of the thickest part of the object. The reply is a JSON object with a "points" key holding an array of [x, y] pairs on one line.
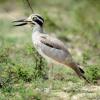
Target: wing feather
{"points": [[53, 43], [54, 49]]}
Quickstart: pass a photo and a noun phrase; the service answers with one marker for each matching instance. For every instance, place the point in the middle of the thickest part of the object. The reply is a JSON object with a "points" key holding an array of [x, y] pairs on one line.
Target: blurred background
{"points": [[23, 73]]}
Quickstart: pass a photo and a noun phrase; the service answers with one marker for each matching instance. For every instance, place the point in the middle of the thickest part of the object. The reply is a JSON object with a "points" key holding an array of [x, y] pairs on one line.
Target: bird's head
{"points": [[34, 19]]}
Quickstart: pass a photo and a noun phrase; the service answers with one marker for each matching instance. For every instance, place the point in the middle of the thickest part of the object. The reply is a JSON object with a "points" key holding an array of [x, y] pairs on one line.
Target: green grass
{"points": [[24, 74]]}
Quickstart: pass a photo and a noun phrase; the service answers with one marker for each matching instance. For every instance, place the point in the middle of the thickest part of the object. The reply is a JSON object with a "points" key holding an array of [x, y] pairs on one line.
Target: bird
{"points": [[51, 48]]}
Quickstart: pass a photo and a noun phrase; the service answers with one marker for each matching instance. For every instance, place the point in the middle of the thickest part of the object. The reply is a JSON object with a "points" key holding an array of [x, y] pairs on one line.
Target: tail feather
{"points": [[79, 71], [85, 79], [82, 71]]}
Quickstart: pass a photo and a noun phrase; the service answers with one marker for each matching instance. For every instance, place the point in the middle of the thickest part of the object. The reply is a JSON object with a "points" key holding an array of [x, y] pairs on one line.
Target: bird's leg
{"points": [[50, 76], [50, 79]]}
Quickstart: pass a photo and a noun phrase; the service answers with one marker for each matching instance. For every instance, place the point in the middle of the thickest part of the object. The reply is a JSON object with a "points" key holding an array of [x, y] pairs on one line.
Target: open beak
{"points": [[23, 22], [20, 22]]}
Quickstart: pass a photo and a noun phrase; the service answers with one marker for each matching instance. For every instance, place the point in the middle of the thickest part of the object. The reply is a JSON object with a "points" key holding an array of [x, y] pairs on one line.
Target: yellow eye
{"points": [[34, 18]]}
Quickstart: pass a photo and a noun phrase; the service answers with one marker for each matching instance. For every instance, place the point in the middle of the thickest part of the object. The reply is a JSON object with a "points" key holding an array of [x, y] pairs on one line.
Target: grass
{"points": [[23, 73]]}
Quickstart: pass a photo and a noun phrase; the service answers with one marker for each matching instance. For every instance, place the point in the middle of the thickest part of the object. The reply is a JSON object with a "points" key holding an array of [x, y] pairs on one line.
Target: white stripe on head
{"points": [[39, 19]]}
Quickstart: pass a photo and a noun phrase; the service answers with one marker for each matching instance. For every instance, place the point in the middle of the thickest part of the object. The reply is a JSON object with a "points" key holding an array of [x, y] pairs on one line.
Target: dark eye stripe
{"points": [[39, 21], [40, 18]]}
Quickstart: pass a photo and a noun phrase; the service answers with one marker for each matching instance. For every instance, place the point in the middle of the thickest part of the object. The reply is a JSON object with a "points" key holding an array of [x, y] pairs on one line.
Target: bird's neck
{"points": [[38, 29]]}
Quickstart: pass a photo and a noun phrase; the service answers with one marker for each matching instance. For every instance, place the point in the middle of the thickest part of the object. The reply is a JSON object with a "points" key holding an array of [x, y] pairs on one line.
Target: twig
{"points": [[29, 5]]}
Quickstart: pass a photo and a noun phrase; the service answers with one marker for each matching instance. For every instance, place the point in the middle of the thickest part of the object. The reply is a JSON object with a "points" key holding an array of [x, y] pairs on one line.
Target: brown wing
{"points": [[53, 43], [54, 48]]}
